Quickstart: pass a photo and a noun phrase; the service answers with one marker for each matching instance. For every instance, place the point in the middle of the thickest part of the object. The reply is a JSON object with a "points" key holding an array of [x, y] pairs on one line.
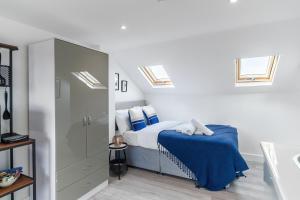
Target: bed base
{"points": [[153, 161]]}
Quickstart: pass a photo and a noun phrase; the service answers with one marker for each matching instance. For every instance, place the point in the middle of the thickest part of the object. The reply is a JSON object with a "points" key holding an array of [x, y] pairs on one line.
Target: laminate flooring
{"points": [[140, 184]]}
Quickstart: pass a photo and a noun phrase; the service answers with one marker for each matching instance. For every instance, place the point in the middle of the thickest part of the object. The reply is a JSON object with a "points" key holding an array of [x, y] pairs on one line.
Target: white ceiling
{"points": [[196, 40], [98, 21], [205, 64]]}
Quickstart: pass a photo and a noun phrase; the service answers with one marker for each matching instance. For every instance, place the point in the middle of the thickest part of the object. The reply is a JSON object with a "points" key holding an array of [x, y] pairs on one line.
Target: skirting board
{"points": [[94, 191], [253, 157], [91, 193]]}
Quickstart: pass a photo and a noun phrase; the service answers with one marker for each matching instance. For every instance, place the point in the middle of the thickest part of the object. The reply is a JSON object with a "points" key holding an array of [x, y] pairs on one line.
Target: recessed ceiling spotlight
{"points": [[123, 27], [233, 1]]}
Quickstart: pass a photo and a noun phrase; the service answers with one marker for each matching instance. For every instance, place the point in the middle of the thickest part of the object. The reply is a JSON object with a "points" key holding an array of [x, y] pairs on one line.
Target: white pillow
{"points": [[136, 114], [149, 111], [122, 120], [201, 128], [137, 119], [150, 114]]}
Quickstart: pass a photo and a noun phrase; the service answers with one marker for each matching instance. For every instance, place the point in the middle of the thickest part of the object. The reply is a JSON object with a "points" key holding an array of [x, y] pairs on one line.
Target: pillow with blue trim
{"points": [[136, 118], [150, 115]]}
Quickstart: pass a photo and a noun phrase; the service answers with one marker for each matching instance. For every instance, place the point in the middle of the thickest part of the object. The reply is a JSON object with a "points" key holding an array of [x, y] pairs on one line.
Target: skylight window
{"points": [[256, 71], [89, 80], [156, 76]]}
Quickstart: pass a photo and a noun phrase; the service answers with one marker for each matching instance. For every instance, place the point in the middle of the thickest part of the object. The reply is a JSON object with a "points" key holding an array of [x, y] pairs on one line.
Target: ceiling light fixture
{"points": [[233, 1], [123, 27]]}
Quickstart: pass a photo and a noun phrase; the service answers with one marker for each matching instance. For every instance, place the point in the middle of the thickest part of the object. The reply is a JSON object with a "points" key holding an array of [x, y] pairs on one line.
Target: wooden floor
{"points": [[143, 185]]}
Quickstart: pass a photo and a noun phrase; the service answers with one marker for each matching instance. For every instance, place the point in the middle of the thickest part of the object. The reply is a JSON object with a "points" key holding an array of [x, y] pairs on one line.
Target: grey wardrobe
{"points": [[68, 116]]}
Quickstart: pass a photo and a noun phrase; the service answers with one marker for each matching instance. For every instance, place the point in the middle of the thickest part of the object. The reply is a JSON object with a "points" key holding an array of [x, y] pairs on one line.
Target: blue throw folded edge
{"points": [[212, 161]]}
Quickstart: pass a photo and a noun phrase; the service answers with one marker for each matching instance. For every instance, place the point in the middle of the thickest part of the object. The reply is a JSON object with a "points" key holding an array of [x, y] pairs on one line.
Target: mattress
{"points": [[147, 137]]}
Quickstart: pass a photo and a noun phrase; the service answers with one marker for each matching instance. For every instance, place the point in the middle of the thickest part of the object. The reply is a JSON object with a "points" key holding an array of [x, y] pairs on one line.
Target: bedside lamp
{"points": [[118, 140]]}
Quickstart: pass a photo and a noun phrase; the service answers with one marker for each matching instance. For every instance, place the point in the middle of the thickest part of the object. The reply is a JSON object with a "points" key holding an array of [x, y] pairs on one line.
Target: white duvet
{"points": [[147, 137]]}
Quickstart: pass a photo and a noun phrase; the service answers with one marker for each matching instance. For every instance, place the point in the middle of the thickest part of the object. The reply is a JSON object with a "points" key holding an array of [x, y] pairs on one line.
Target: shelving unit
{"points": [[24, 180], [6, 72]]}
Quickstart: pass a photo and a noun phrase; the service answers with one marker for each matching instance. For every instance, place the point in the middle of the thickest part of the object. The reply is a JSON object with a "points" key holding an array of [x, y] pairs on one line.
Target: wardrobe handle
{"points": [[89, 120], [84, 121]]}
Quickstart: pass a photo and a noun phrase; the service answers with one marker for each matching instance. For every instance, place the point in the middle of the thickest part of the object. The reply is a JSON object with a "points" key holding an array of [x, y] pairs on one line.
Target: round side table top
{"points": [[118, 147]]}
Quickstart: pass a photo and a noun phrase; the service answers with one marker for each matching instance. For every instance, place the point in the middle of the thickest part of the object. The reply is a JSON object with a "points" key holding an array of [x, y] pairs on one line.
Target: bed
{"points": [[145, 151]]}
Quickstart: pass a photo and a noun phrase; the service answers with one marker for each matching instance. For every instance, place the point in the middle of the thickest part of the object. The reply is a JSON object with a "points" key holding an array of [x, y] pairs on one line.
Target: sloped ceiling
{"points": [[196, 40], [98, 21], [12, 32], [204, 64]]}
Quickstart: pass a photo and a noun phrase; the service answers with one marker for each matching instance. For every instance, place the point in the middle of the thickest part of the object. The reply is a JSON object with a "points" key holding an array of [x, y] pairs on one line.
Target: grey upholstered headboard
{"points": [[129, 104]]}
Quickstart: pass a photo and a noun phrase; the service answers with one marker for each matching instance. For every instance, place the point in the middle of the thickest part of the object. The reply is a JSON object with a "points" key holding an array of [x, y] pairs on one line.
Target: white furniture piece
{"points": [[281, 169], [68, 116]]}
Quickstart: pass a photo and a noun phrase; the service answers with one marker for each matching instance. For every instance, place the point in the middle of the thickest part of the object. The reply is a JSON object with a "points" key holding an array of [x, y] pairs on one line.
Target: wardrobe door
{"points": [[97, 109], [70, 106], [97, 106], [82, 119]]}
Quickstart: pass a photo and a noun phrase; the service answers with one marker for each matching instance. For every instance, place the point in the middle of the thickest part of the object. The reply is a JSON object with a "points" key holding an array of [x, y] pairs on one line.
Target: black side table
{"points": [[119, 164]]}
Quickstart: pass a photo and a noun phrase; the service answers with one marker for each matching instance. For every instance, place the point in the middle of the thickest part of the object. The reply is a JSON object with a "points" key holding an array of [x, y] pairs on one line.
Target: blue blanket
{"points": [[213, 161]]}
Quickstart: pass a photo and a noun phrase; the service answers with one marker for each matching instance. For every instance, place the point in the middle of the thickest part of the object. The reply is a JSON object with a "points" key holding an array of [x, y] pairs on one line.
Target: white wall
{"points": [[203, 71], [133, 92], [258, 116]]}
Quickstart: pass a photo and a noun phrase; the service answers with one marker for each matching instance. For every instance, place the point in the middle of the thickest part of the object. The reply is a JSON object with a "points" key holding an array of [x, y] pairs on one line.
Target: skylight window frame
{"points": [[257, 79], [153, 80]]}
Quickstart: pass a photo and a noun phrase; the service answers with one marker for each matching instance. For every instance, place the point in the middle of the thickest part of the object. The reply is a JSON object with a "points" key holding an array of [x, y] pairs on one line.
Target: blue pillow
{"points": [[136, 118], [150, 115]]}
